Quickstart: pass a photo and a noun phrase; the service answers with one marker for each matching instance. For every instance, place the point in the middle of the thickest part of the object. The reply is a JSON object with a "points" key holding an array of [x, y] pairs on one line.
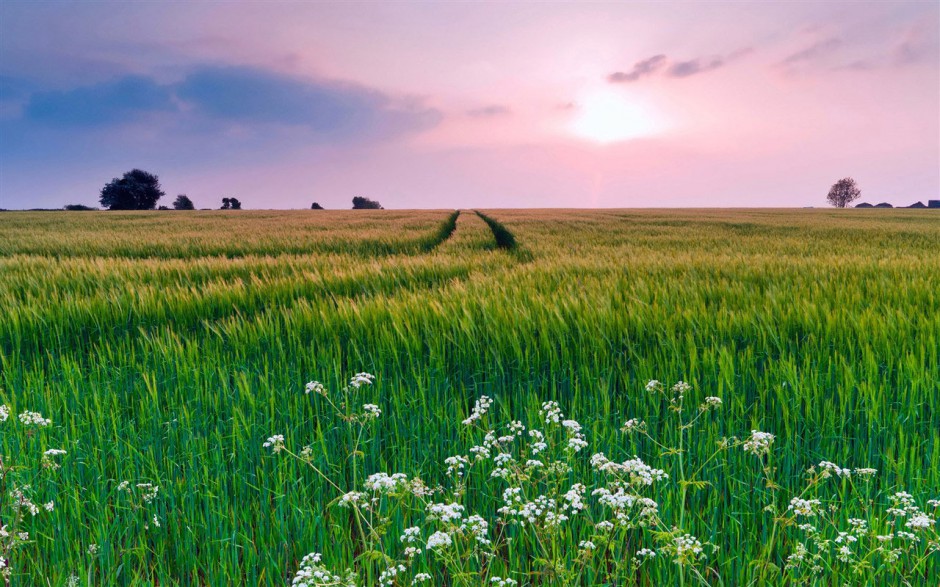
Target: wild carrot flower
{"points": [[479, 410], [360, 379], [759, 442], [439, 541], [275, 443], [34, 419], [314, 387]]}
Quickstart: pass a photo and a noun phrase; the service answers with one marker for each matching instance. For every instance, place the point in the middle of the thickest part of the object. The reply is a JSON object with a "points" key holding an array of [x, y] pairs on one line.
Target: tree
{"points": [[360, 203], [231, 204], [78, 208], [136, 190], [182, 202], [843, 192], [316, 206]]}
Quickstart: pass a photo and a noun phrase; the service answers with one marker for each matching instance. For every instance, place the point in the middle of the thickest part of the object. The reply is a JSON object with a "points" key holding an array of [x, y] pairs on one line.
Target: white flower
{"points": [[34, 419], [552, 412], [384, 483], [54, 452], [351, 499], [372, 411], [4, 414], [411, 534], [275, 443], [49, 506], [314, 387], [920, 521], [759, 442], [804, 507], [633, 425], [445, 512], [92, 549], [654, 385], [501, 582], [710, 403], [360, 379], [439, 540], [830, 469], [421, 578], [456, 464], [479, 410]]}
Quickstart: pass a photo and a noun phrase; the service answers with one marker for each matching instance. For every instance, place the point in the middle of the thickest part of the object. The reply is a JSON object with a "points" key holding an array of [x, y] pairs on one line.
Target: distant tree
{"points": [[360, 203], [231, 204], [316, 206], [79, 208], [843, 192], [163, 208], [182, 202], [136, 190]]}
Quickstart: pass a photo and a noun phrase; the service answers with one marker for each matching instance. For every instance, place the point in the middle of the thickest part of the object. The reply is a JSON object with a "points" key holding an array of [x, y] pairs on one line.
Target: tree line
{"points": [[140, 190]]}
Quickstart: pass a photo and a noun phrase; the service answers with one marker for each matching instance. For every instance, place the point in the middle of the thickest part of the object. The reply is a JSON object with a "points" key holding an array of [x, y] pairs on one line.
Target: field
{"points": [[167, 348]]}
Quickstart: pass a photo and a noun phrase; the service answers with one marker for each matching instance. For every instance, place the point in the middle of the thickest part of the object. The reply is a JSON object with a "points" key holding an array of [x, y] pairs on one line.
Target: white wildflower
{"points": [[275, 443], [759, 442]]}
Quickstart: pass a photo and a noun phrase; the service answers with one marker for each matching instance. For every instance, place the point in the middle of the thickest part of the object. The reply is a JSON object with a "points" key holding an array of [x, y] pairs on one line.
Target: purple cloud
{"points": [[640, 69], [490, 111]]}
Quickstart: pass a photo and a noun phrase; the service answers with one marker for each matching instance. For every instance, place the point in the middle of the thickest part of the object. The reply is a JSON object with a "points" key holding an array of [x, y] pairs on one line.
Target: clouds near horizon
{"points": [[384, 98]]}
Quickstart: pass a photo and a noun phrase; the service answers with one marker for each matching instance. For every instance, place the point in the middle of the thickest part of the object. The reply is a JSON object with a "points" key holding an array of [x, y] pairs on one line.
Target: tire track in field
{"points": [[505, 239], [443, 232]]}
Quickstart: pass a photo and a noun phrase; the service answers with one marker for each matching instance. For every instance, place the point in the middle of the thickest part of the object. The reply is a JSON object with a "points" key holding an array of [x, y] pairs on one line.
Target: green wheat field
{"points": [[166, 349]]}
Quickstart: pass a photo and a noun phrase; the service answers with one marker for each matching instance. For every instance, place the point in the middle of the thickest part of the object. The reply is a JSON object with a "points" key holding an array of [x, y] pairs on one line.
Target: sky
{"points": [[471, 105]]}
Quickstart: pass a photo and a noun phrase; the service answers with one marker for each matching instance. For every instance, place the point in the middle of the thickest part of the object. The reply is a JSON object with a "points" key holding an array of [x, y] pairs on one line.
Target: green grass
{"points": [[166, 347]]}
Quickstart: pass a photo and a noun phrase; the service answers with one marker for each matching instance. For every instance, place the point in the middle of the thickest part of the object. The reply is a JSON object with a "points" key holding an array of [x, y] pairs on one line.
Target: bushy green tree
{"points": [[360, 203], [136, 190], [182, 202]]}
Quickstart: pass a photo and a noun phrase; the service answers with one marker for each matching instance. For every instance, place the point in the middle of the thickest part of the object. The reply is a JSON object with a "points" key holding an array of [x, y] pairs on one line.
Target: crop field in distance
{"points": [[235, 391]]}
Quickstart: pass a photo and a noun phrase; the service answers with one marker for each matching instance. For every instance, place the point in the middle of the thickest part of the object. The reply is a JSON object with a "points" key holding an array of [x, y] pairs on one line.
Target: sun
{"points": [[606, 116]]}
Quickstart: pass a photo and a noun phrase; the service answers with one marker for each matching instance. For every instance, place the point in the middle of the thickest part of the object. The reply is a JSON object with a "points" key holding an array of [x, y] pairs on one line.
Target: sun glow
{"points": [[606, 116]]}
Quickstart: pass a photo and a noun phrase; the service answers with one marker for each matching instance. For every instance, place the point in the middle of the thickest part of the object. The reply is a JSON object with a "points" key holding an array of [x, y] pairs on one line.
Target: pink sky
{"points": [[472, 105]]}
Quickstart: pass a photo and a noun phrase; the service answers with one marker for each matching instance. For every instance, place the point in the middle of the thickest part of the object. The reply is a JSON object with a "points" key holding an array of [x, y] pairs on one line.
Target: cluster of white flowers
{"points": [[828, 469], [360, 379], [34, 419], [502, 582], [371, 411], [477, 527], [759, 442], [388, 576], [638, 472], [686, 549], [456, 464], [48, 458], [352, 499], [4, 414], [445, 512], [385, 483], [633, 425], [711, 403], [315, 387], [275, 443], [439, 541], [552, 412], [804, 507], [313, 574], [479, 410]]}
